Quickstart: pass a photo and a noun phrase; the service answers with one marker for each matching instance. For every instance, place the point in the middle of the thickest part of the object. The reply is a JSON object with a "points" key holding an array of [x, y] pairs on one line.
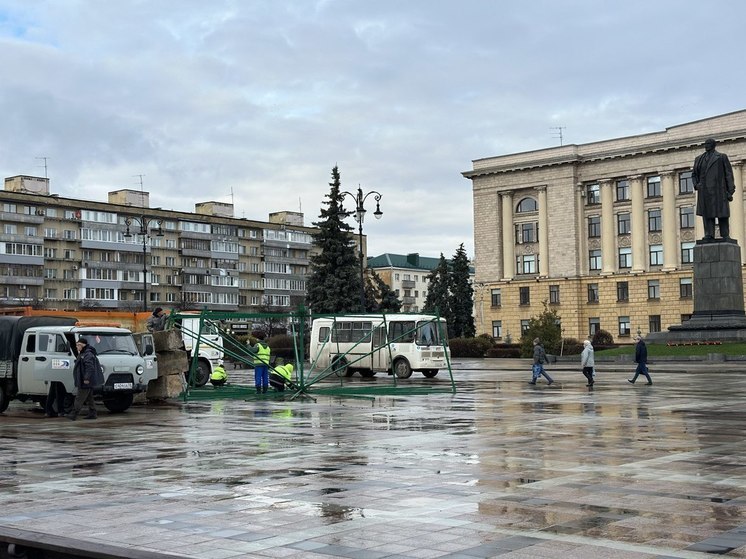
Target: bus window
{"points": [[402, 332], [323, 334], [427, 333]]}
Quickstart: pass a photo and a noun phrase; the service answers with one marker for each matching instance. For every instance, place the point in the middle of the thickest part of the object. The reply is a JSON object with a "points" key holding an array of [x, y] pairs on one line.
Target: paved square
{"points": [[500, 468]]}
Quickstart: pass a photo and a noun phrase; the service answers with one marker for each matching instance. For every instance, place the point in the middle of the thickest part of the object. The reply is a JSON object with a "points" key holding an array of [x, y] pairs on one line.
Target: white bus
{"points": [[396, 343]]}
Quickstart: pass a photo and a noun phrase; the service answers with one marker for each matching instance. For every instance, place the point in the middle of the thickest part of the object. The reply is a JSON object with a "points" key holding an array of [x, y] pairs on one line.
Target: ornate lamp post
{"points": [[144, 223], [359, 214]]}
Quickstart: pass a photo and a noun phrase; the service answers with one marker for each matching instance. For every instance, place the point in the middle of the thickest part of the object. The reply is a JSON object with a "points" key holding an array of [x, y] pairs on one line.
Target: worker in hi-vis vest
{"points": [[281, 376], [261, 363], [218, 377]]}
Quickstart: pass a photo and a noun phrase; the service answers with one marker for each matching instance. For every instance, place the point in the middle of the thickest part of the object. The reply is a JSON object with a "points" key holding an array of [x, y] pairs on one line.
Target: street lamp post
{"points": [[144, 223], [359, 214]]}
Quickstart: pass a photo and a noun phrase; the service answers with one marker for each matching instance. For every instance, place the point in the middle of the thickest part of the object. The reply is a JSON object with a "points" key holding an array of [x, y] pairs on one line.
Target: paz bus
{"points": [[393, 343]]}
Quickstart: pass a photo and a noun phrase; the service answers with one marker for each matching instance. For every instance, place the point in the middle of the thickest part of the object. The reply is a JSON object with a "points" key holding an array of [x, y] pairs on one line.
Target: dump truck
{"points": [[38, 350]]}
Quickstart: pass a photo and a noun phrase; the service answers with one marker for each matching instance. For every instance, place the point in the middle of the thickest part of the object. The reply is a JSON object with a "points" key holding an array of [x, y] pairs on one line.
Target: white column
{"points": [[736, 209], [638, 224], [508, 240], [608, 257], [670, 225], [543, 232]]}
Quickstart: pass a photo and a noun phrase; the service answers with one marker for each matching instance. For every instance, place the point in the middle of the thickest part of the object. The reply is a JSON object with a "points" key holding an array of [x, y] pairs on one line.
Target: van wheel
{"points": [[402, 368], [340, 367], [4, 400], [118, 403], [430, 373]]}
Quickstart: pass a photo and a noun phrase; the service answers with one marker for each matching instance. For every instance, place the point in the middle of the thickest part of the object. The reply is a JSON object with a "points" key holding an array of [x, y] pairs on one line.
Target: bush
{"points": [[602, 338], [504, 351], [469, 347], [282, 346], [571, 346]]}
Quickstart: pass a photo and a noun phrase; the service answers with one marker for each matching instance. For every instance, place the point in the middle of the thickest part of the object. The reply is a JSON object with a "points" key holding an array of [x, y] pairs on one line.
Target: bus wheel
{"points": [[340, 367], [430, 373], [402, 368], [4, 400], [367, 374], [118, 403]]}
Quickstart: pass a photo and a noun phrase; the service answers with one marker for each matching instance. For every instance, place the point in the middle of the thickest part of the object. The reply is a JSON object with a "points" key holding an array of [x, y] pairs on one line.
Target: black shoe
{"points": [[72, 416], [50, 415], [649, 383], [549, 382], [532, 382], [629, 380], [91, 416], [258, 390]]}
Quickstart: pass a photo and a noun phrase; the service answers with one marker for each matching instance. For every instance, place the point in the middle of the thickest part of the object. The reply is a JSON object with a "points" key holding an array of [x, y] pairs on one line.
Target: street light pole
{"points": [[144, 224], [359, 215]]}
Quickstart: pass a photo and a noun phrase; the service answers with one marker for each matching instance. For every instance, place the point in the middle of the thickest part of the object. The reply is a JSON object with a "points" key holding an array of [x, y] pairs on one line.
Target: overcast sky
{"points": [[264, 97]]}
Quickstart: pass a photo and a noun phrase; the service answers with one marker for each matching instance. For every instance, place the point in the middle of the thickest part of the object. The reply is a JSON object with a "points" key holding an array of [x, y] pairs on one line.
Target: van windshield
{"points": [[427, 333], [107, 342]]}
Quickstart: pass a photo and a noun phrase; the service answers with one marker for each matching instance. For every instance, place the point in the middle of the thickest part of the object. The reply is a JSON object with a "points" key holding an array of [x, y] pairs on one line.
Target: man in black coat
{"points": [[713, 180], [87, 374]]}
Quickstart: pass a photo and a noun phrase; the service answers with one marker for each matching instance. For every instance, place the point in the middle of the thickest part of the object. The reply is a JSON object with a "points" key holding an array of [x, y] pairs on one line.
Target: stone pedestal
{"points": [[718, 297]]}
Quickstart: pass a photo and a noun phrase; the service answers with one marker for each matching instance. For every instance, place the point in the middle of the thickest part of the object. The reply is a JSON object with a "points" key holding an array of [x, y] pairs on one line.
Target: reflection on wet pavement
{"points": [[498, 469]]}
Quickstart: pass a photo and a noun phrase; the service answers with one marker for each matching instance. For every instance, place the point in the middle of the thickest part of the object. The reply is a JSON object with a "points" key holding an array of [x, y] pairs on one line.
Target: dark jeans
{"points": [[84, 397], [588, 373], [55, 404]]}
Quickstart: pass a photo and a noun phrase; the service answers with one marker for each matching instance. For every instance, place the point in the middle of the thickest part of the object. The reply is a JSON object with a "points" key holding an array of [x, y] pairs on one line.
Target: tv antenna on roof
{"points": [[558, 132], [45, 166]]}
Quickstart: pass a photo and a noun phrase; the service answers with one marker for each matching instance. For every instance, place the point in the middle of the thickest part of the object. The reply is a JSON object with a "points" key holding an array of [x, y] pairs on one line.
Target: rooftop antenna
{"points": [[557, 132], [142, 192], [45, 166], [232, 202]]}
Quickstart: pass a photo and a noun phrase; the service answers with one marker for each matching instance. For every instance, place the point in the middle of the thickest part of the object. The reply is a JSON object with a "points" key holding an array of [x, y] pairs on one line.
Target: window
{"points": [[686, 184], [654, 186], [29, 231], [623, 223], [11, 229], [622, 291], [625, 257], [654, 323], [497, 329], [593, 293], [685, 288], [527, 205], [525, 295], [687, 253], [654, 289], [592, 194], [624, 327], [594, 226], [594, 325], [656, 255], [525, 325], [496, 296], [686, 217], [594, 259], [526, 263], [622, 190], [526, 232], [654, 220], [554, 294]]}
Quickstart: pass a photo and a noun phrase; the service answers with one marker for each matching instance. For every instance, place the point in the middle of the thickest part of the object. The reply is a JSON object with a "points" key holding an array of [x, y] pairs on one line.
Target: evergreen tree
{"points": [[379, 297], [334, 284], [545, 327], [462, 296], [438, 292]]}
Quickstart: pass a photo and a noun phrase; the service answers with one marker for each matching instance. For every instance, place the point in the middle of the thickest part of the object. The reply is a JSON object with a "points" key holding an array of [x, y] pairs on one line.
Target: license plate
{"points": [[122, 386]]}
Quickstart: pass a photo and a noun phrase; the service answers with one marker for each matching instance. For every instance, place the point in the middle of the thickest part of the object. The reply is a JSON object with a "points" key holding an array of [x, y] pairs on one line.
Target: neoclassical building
{"points": [[602, 232]]}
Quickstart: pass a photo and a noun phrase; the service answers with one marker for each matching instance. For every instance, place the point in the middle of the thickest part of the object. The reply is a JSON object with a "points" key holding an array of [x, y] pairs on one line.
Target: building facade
{"points": [[64, 253], [602, 232], [406, 275]]}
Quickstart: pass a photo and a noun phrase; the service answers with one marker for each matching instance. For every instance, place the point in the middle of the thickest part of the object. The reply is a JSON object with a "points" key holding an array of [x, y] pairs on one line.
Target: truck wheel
{"points": [[118, 403], [4, 400], [201, 374]]}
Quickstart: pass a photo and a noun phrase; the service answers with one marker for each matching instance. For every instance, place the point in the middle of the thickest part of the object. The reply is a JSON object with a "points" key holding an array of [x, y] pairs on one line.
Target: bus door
{"points": [[381, 357]]}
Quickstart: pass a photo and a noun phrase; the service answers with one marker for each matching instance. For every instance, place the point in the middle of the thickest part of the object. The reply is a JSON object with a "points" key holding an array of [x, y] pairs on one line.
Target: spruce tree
{"points": [[379, 297], [461, 296], [334, 284], [438, 298]]}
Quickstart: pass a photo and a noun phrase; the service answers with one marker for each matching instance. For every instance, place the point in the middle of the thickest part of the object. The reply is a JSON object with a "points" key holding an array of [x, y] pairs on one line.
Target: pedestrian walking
{"points": [[88, 376], [641, 358], [587, 361], [537, 369]]}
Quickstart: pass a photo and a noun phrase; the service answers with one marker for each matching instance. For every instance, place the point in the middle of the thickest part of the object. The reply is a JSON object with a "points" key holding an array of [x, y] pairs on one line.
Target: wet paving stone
{"points": [[498, 469]]}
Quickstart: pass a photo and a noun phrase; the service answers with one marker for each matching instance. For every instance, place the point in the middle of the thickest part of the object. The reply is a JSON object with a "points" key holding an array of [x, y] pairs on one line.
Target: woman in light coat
{"points": [[587, 362]]}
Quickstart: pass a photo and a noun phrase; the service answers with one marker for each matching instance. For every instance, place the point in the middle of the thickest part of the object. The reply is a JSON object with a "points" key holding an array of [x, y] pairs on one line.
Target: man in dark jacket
{"points": [[713, 180], [641, 358], [88, 376]]}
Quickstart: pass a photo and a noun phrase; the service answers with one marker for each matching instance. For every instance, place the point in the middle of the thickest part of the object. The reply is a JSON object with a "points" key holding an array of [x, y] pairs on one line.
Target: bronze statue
{"points": [[713, 181]]}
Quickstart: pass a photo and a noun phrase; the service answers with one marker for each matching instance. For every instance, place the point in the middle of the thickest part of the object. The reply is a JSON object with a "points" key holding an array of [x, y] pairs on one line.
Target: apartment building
{"points": [[406, 275], [602, 232], [65, 253]]}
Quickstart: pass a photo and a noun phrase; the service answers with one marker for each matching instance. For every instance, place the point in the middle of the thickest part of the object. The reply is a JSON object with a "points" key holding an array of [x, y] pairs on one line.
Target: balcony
{"points": [[408, 284]]}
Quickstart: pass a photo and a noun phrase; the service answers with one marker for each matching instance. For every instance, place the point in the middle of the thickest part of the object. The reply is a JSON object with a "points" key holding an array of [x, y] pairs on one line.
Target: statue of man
{"points": [[713, 181]]}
